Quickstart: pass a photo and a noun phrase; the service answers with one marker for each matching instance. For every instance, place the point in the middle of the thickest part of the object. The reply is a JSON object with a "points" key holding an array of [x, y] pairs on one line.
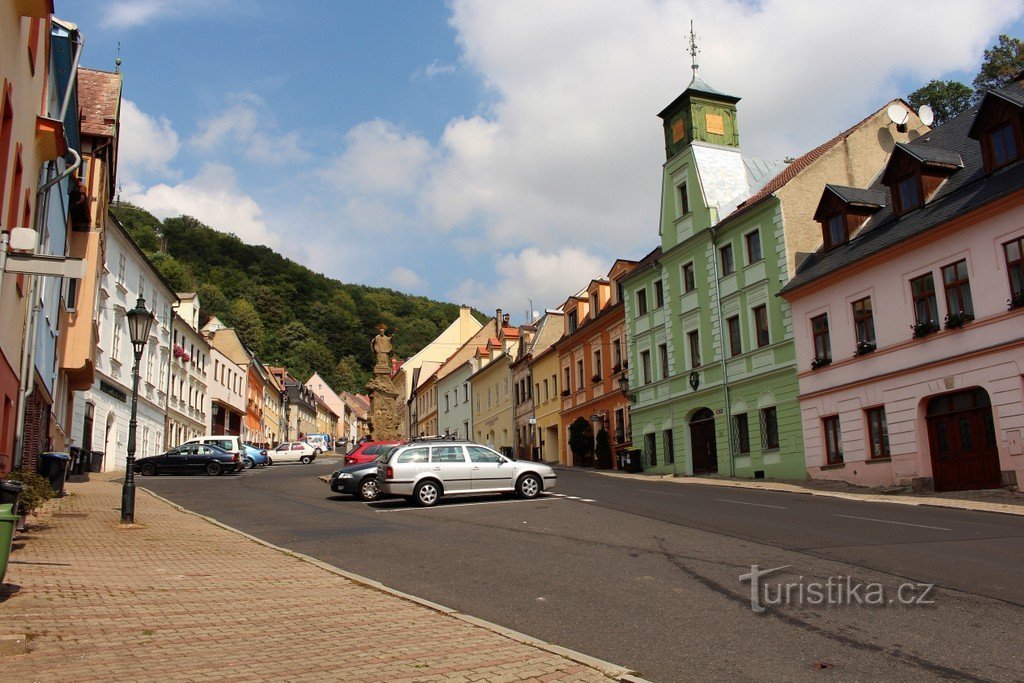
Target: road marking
{"points": [[662, 493], [743, 502], [889, 521], [567, 496], [466, 505]]}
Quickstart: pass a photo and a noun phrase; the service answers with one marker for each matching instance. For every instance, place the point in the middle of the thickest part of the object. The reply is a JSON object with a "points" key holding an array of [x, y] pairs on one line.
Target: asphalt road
{"points": [[646, 574]]}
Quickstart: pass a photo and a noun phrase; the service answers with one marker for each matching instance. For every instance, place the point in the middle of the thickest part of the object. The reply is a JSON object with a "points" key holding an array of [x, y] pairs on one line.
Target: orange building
{"points": [[591, 359]]}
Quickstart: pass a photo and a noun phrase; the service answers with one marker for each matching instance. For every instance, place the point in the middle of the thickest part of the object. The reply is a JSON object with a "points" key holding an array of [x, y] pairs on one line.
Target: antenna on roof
{"points": [[117, 59], [898, 115], [926, 115], [693, 50]]}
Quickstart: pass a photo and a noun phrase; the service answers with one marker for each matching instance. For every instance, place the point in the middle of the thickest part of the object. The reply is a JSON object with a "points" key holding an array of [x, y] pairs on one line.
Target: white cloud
{"points": [[381, 159], [436, 68], [247, 129], [147, 144], [122, 14], [405, 279], [213, 197]]}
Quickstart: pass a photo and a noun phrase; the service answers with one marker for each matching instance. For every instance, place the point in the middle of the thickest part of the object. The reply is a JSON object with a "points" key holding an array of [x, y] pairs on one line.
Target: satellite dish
{"points": [[897, 114], [926, 115]]}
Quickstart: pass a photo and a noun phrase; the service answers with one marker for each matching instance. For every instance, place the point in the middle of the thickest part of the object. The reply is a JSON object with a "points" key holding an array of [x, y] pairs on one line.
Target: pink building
{"points": [[909, 321]]}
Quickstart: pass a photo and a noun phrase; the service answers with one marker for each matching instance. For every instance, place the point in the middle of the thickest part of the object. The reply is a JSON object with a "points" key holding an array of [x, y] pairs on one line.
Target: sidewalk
{"points": [[180, 597], [991, 500]]}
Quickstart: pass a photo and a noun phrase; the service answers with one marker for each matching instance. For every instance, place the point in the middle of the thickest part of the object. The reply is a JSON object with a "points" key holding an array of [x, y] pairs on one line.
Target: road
{"points": [[646, 573]]}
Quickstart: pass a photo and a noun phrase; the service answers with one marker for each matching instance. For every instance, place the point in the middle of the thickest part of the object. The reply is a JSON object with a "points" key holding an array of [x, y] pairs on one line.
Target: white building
{"points": [[188, 405], [127, 275]]}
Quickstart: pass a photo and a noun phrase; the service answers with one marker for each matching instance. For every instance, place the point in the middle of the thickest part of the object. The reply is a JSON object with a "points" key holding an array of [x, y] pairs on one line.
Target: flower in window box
{"points": [[955, 320], [1016, 301], [565, 392], [625, 365], [595, 379], [925, 328], [616, 369], [865, 347], [820, 361]]}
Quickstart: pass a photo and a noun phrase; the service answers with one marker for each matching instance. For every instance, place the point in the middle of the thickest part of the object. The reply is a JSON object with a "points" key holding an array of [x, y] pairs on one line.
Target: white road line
{"points": [[466, 505], [889, 521], [587, 500], [743, 502]]}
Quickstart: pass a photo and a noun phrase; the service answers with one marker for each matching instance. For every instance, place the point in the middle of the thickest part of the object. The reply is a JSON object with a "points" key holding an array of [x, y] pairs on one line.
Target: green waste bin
{"points": [[7, 522]]}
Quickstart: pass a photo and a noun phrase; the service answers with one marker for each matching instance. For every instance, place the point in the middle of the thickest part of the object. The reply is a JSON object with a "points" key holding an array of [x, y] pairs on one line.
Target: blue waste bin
{"points": [[54, 466]]}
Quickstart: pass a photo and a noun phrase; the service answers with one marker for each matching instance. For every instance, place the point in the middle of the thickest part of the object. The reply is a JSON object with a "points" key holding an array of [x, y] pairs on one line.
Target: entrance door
{"points": [[702, 440], [962, 439]]}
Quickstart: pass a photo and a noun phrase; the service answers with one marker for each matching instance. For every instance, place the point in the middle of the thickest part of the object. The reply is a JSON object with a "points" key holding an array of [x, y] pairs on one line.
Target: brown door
{"points": [[962, 440], [702, 441]]}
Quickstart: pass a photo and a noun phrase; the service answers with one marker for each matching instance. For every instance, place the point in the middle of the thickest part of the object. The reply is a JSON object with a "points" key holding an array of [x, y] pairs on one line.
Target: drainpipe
{"points": [[721, 335]]}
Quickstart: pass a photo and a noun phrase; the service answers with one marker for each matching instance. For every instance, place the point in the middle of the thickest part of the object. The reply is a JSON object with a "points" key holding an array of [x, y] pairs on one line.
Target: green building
{"points": [[713, 366]]}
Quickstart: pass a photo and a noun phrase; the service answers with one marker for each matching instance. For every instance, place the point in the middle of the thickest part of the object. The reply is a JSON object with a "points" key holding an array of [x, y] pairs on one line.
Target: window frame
{"points": [[659, 293], [769, 428], [959, 288], [645, 366], [689, 278], [926, 297], [726, 260], [693, 343], [753, 238], [820, 330], [835, 222], [832, 438], [1014, 136], [732, 323], [864, 314], [762, 329], [875, 417], [908, 180], [684, 200], [641, 301], [663, 359], [1015, 267]]}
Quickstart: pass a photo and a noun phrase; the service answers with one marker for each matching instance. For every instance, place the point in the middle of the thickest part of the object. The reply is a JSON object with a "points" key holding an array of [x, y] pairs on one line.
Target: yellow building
{"points": [[547, 399], [491, 385], [326, 419]]}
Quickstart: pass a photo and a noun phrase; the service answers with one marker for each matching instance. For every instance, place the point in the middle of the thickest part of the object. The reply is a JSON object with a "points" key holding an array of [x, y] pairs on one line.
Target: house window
{"points": [[617, 353], [728, 267], [115, 348], [693, 339], [908, 193], [689, 281], [740, 434], [684, 201], [641, 301], [833, 440], [958, 289], [122, 261], [645, 363], [836, 234], [597, 364], [659, 294], [567, 384], [863, 321], [1003, 142], [670, 449], [573, 322], [753, 247], [1015, 270], [878, 432], [922, 289], [822, 344], [651, 449], [579, 374], [769, 429], [663, 356], [735, 344], [761, 325]]}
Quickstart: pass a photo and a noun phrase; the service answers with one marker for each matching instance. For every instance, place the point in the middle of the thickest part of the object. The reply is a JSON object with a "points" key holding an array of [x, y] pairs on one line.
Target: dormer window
{"points": [[1003, 144], [908, 193], [843, 210], [997, 126], [916, 171], [836, 234]]}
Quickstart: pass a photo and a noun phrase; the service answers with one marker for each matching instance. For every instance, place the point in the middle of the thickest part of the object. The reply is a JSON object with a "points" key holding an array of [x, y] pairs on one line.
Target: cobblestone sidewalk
{"points": [[178, 597]]}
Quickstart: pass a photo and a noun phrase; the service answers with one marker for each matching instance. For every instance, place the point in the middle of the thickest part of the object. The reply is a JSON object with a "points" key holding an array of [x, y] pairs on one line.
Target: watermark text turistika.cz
{"points": [[835, 591]]}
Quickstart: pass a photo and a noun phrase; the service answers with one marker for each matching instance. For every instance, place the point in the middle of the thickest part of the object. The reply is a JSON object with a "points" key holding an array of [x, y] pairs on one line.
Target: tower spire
{"points": [[693, 50]]}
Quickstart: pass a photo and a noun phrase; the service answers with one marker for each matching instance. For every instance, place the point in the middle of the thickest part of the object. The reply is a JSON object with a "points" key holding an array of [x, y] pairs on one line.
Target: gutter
{"points": [[721, 335]]}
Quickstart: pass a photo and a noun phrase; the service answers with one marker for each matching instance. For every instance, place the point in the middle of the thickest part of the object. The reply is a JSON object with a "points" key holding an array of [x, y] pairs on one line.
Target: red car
{"points": [[367, 451]]}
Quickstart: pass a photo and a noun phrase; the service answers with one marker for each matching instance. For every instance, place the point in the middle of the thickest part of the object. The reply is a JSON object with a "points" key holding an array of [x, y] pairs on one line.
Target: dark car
{"points": [[191, 457], [357, 480]]}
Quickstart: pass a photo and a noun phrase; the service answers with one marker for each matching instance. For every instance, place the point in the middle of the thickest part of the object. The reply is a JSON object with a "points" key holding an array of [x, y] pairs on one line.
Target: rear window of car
{"points": [[413, 455], [222, 443], [447, 454]]}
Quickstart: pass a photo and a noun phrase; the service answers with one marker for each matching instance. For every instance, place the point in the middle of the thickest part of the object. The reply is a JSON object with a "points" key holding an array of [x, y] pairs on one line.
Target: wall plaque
{"points": [[113, 391], [714, 124], [678, 130]]}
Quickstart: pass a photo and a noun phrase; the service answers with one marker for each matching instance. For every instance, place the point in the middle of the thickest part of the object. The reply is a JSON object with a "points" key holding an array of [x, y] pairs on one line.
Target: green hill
{"points": [[286, 313]]}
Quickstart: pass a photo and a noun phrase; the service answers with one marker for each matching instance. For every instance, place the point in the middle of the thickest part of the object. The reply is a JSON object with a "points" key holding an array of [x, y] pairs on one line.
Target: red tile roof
{"points": [[99, 97], [510, 332]]}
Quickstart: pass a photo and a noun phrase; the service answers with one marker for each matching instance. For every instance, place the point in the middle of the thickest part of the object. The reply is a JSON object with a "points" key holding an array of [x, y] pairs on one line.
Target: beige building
{"points": [[273, 415], [228, 378], [492, 390], [531, 391]]}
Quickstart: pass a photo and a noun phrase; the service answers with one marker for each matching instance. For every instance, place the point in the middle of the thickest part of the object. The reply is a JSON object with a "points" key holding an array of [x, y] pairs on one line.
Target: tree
{"points": [[177, 274], [248, 325], [1002, 62], [946, 98], [212, 302], [307, 357], [603, 449], [581, 441], [350, 376]]}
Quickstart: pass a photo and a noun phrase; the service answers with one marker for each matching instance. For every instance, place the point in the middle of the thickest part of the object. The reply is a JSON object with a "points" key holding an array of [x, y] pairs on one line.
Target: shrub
{"points": [[36, 490]]}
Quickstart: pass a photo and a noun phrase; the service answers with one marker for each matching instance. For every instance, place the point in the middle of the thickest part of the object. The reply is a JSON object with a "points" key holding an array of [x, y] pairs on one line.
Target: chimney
{"points": [[497, 323]]}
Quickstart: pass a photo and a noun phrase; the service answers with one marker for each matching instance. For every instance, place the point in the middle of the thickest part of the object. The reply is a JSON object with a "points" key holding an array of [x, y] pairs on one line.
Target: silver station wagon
{"points": [[424, 470]]}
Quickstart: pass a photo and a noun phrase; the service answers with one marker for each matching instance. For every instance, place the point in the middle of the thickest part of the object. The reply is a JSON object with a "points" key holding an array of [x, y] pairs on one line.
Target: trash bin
{"points": [[96, 462], [54, 466], [10, 492], [7, 521], [77, 461], [631, 461]]}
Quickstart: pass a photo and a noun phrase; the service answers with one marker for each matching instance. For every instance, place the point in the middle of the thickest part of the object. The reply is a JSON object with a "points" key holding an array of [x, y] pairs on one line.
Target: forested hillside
{"points": [[286, 313]]}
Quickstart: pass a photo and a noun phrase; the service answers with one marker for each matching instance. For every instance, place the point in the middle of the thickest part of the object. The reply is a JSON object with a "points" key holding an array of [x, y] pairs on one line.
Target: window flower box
{"points": [[566, 392], [820, 362], [1016, 301], [956, 320], [925, 328], [595, 379], [616, 369], [865, 347], [625, 365]]}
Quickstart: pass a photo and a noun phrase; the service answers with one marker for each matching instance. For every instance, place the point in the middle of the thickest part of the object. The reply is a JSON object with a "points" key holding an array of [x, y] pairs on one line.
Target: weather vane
{"points": [[693, 49]]}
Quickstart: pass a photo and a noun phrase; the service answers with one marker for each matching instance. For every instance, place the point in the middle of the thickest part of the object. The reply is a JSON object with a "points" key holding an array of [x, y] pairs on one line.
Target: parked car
{"points": [[357, 480], [188, 458], [231, 444], [368, 451], [254, 457], [293, 451], [424, 470], [319, 442]]}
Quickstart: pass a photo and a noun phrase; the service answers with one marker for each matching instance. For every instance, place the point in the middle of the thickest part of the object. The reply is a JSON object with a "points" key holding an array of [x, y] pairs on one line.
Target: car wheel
{"points": [[213, 468], [270, 461], [148, 470], [317, 451], [306, 459], [426, 493], [528, 486], [248, 464], [368, 490]]}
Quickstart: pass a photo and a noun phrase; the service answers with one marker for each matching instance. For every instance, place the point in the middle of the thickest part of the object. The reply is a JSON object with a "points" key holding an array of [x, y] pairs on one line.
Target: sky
{"points": [[484, 152]]}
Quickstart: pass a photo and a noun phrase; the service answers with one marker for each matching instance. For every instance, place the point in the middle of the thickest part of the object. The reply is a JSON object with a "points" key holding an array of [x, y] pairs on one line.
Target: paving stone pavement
{"points": [[177, 597]]}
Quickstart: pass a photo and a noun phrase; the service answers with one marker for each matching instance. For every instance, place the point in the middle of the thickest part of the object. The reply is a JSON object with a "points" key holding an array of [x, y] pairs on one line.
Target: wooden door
{"points": [[702, 442], [961, 437]]}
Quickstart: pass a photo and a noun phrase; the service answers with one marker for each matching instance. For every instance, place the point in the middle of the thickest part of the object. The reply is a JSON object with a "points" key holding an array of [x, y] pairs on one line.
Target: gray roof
{"points": [[964, 191], [932, 155], [857, 196]]}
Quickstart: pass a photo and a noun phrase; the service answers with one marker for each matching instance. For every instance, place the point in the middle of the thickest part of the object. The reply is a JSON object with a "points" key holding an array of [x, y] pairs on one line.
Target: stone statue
{"points": [[385, 417], [382, 346]]}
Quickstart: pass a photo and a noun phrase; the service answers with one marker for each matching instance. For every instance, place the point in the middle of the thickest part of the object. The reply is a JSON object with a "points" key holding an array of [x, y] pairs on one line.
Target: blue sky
{"points": [[482, 151]]}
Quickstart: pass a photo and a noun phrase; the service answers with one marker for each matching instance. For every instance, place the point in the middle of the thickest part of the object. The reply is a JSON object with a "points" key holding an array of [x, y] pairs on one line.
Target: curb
{"points": [[973, 506], [612, 671]]}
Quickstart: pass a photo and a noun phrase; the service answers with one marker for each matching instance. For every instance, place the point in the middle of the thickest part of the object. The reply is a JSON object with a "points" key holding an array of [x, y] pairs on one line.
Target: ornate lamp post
{"points": [[139, 322]]}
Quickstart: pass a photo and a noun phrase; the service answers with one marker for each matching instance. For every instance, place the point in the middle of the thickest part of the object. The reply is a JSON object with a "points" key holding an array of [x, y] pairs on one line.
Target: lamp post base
{"points": [[128, 503]]}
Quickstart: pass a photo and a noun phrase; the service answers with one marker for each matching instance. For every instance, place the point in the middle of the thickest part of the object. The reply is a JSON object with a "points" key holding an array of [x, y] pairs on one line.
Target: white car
{"points": [[293, 451]]}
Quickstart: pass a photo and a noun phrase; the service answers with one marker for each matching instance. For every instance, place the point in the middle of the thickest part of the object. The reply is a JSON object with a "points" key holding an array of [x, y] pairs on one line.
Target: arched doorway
{"points": [[110, 444], [962, 440], [702, 442]]}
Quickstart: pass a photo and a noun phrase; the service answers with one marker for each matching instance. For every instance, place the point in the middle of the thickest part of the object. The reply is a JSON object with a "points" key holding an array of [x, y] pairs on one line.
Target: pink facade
{"points": [[904, 375]]}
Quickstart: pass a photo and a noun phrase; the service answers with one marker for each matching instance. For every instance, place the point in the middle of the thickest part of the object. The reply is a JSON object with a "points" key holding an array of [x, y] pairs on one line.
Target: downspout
{"points": [[721, 336]]}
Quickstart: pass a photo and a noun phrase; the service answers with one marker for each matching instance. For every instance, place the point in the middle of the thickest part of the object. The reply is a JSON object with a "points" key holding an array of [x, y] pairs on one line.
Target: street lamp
{"points": [[624, 388], [139, 322]]}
